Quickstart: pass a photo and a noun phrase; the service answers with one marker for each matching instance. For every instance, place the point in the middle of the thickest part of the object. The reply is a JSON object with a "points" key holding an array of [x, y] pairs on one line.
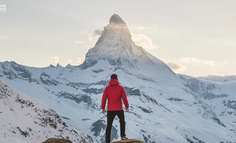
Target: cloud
{"points": [[139, 39], [176, 66], [80, 60], [197, 66], [70, 61], [54, 59], [144, 41], [194, 60], [95, 34]]}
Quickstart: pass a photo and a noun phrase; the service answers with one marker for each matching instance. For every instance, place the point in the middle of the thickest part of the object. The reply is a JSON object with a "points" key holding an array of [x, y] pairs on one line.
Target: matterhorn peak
{"points": [[115, 31], [115, 18], [117, 48]]}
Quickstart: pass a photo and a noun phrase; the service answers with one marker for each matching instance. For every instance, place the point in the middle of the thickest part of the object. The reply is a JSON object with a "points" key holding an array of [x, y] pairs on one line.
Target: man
{"points": [[114, 93]]}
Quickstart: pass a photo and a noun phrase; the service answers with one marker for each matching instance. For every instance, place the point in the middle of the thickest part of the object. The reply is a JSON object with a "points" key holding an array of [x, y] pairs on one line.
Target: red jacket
{"points": [[114, 92]]}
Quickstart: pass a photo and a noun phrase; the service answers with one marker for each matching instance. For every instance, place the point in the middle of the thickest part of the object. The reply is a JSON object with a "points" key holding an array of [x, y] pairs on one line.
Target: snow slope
{"points": [[164, 106], [27, 120]]}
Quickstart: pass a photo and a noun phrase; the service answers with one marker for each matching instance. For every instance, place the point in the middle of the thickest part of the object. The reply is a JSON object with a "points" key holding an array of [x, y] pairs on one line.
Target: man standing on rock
{"points": [[114, 93]]}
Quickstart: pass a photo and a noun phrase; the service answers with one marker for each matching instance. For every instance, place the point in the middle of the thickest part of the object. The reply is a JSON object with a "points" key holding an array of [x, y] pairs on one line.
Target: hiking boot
{"points": [[124, 138]]}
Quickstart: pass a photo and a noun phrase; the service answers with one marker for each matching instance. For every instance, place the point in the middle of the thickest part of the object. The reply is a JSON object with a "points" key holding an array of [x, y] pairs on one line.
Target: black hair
{"points": [[114, 76]]}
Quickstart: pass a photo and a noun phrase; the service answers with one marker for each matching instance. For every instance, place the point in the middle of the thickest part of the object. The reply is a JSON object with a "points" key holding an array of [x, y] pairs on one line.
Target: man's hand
{"points": [[127, 109], [103, 111]]}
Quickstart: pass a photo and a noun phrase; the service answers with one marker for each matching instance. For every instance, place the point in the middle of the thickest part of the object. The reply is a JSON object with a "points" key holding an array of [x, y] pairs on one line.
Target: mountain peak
{"points": [[115, 18], [117, 48]]}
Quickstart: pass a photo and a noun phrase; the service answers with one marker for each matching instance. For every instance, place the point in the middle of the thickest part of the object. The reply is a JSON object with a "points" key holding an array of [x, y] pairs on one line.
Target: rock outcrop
{"points": [[128, 141], [54, 140]]}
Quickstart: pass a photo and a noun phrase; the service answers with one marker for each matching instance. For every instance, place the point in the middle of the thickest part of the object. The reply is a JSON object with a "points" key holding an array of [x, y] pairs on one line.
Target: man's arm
{"points": [[125, 100], [104, 98]]}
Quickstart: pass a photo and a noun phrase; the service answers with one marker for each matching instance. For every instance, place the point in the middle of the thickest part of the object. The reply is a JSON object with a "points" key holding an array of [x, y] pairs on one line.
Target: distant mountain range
{"points": [[164, 106], [215, 78]]}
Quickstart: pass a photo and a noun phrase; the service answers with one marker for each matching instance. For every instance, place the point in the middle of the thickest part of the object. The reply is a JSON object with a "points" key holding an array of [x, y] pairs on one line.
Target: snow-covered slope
{"points": [[27, 120], [164, 107]]}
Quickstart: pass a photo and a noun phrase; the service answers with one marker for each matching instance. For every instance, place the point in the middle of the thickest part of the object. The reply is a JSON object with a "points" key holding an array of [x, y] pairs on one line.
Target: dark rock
{"points": [[116, 19], [132, 91], [230, 104], [145, 110], [23, 133], [46, 79], [98, 126], [128, 141], [98, 71], [77, 98], [175, 99], [93, 90], [54, 140]]}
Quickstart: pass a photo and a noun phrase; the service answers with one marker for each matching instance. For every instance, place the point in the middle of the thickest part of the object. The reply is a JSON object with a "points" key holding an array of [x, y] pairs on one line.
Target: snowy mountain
{"points": [[164, 106], [116, 47], [27, 120], [216, 78]]}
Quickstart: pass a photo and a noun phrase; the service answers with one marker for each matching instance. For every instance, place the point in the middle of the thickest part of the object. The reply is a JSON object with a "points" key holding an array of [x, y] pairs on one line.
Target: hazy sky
{"points": [[195, 37]]}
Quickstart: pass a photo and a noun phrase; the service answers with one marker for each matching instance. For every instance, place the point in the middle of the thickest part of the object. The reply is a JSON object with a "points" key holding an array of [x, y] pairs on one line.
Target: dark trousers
{"points": [[110, 117]]}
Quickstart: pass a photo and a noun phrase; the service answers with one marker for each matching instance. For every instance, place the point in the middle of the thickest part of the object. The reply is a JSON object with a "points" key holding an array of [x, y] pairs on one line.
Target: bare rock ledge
{"points": [[128, 141], [54, 140]]}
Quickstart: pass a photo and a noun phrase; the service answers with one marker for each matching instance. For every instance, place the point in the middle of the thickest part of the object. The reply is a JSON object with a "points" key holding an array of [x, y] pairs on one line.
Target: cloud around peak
{"points": [[139, 39], [144, 41], [176, 67]]}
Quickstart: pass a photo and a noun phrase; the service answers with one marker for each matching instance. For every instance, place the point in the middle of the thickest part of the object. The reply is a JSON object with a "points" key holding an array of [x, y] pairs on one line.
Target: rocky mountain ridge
{"points": [[24, 119]]}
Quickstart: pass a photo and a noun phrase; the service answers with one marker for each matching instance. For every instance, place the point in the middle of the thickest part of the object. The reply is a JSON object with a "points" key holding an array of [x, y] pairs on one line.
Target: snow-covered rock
{"points": [[24, 119]]}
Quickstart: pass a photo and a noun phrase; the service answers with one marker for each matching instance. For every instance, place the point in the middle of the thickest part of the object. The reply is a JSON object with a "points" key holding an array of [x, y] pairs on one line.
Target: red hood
{"points": [[113, 82]]}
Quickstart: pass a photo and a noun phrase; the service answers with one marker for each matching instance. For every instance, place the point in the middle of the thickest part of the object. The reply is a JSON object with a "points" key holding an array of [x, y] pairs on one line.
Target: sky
{"points": [[194, 37]]}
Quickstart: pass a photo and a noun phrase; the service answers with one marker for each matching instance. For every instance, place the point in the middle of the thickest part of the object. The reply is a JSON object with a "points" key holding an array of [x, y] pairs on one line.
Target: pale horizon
{"points": [[195, 38]]}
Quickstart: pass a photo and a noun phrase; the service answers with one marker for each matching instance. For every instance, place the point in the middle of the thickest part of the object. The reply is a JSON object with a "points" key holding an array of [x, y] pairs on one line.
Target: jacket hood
{"points": [[113, 82]]}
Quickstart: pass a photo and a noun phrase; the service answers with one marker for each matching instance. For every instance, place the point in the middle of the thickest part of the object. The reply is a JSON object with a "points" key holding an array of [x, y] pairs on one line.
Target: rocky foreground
{"points": [[54, 140], [128, 141]]}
